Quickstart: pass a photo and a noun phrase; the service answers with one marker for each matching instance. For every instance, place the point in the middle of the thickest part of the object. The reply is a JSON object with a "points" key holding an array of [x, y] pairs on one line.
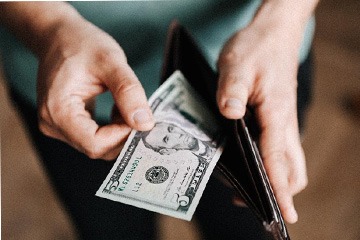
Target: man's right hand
{"points": [[77, 62]]}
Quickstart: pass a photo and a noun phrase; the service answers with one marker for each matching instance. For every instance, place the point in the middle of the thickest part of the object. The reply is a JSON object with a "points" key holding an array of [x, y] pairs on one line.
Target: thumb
{"points": [[129, 97], [234, 86]]}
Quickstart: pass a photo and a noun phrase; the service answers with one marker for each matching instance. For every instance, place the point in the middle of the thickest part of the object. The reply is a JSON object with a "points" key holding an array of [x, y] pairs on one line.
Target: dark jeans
{"points": [[76, 178]]}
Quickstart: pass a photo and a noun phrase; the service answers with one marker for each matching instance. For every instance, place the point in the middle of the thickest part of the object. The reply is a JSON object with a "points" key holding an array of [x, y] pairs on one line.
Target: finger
{"points": [[48, 130], [273, 118], [82, 132], [114, 153], [47, 125], [115, 119], [284, 197], [295, 154], [130, 97], [277, 168], [234, 86]]}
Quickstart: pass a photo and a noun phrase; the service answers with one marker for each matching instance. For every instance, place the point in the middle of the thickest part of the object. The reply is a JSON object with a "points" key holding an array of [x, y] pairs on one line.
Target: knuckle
{"points": [[228, 80], [277, 108], [43, 127], [106, 56], [229, 58], [56, 111], [126, 85], [278, 88], [298, 184], [43, 114], [94, 151], [45, 122], [302, 184], [110, 157]]}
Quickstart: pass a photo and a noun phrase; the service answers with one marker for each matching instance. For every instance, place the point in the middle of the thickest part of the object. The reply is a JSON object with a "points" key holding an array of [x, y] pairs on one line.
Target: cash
{"points": [[166, 169]]}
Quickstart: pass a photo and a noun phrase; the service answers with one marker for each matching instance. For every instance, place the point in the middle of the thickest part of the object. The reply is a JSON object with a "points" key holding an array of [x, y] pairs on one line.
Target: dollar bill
{"points": [[166, 169]]}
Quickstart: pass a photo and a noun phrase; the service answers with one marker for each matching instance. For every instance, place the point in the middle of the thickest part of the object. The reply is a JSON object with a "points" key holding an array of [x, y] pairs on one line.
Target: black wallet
{"points": [[246, 174]]}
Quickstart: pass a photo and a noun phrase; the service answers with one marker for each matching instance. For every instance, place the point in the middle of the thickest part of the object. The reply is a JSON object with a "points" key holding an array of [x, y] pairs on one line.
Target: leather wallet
{"points": [[240, 162]]}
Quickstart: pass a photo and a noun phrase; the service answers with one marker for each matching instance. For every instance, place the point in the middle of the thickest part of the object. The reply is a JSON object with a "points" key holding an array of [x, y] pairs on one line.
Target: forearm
{"points": [[287, 11], [35, 22], [284, 20]]}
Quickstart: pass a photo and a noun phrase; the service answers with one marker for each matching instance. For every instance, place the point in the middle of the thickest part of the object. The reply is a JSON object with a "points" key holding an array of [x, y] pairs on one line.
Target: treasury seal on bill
{"points": [[157, 174]]}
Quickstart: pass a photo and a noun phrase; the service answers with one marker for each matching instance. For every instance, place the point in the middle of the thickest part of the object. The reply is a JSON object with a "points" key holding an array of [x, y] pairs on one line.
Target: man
{"points": [[167, 138]]}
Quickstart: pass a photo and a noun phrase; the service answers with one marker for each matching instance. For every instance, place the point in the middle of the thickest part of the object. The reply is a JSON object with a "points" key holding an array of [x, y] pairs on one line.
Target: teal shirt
{"points": [[140, 28]]}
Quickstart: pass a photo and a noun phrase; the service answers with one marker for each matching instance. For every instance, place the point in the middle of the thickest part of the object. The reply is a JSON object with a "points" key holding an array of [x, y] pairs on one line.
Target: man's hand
{"points": [[77, 62], [258, 66], [81, 63]]}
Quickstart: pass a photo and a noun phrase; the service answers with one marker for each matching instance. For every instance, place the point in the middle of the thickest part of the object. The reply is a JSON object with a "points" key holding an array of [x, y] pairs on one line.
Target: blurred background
{"points": [[329, 208]]}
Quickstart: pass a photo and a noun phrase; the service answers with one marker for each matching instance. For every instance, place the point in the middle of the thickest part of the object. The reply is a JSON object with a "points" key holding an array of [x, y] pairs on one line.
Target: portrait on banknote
{"points": [[168, 137]]}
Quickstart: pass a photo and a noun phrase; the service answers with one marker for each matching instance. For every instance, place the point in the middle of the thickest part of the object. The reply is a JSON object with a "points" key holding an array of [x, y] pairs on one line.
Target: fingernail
{"points": [[141, 116], [233, 103]]}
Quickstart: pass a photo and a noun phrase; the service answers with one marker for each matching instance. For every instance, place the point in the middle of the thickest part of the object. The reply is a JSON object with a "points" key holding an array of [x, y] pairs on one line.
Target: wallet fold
{"points": [[240, 162]]}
